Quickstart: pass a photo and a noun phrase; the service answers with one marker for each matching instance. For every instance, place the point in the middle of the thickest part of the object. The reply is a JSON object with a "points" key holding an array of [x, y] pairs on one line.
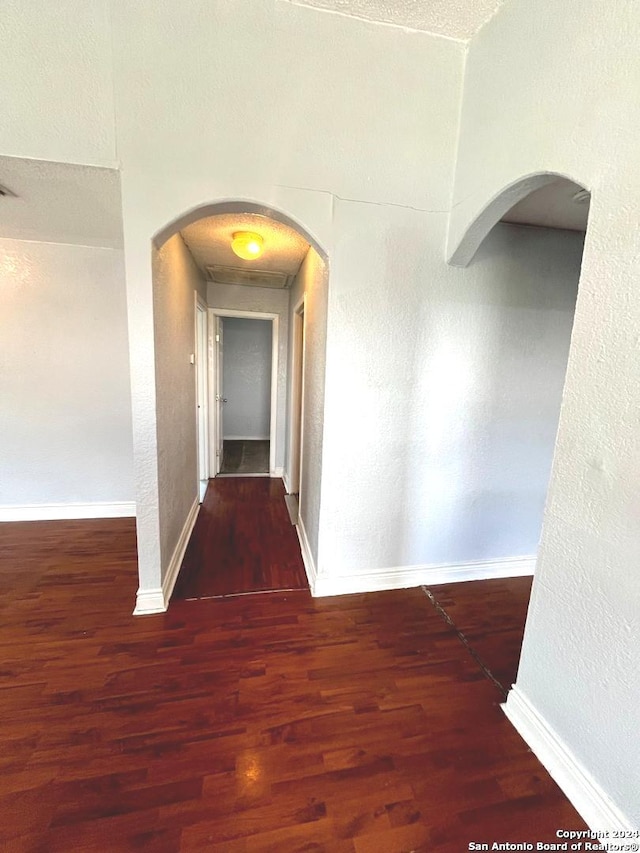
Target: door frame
{"points": [[296, 403], [275, 338], [202, 364], [215, 444]]}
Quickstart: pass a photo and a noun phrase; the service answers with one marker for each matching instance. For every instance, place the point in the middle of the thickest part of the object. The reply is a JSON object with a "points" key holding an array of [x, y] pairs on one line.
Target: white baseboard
{"points": [[156, 600], [307, 557], [67, 511], [286, 481], [588, 798], [149, 601], [277, 472], [173, 568], [403, 577], [246, 438]]}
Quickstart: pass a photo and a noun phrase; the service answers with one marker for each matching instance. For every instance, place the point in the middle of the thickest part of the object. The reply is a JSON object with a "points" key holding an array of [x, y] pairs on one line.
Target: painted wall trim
{"points": [[307, 556], [156, 600], [277, 473], [588, 798], [286, 481], [402, 577], [62, 511]]}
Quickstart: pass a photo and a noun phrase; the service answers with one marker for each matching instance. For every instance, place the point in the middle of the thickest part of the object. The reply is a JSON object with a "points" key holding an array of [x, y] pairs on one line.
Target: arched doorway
{"points": [[535, 230], [195, 272]]}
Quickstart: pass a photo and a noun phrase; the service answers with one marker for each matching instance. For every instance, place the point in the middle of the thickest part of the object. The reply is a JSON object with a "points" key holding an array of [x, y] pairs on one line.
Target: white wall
{"points": [[265, 300], [312, 131], [246, 378], [312, 282], [374, 145], [443, 390], [175, 278], [56, 99], [65, 419], [563, 97]]}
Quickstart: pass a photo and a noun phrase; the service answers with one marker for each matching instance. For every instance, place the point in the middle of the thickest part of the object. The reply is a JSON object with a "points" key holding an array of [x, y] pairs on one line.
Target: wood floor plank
{"points": [[494, 630], [255, 723], [242, 542]]}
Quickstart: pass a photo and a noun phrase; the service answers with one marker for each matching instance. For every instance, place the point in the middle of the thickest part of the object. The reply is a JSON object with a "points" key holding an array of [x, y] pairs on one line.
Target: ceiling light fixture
{"points": [[247, 245]]}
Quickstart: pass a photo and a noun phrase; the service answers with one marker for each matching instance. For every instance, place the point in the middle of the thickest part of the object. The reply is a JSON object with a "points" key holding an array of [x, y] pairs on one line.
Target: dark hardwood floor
{"points": [[242, 542], [493, 626], [258, 723]]}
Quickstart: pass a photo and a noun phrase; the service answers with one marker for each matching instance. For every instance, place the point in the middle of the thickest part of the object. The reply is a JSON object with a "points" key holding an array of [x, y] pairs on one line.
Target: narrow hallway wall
{"points": [[175, 278], [312, 282]]}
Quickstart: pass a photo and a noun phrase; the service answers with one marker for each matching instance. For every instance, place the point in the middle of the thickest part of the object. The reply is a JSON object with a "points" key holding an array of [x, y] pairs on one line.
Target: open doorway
{"points": [[245, 394], [249, 265], [527, 267]]}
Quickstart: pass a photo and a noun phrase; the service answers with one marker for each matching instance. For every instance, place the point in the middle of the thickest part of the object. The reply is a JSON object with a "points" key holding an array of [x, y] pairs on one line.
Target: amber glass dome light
{"points": [[247, 245]]}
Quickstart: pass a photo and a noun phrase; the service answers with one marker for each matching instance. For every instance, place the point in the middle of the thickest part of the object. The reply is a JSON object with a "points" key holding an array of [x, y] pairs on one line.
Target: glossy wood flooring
{"points": [[358, 724], [493, 628], [242, 542]]}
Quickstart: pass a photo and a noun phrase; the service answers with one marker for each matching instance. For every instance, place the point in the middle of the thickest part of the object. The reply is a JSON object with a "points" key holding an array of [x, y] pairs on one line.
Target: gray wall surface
{"points": [[246, 378], [175, 278], [443, 394]]}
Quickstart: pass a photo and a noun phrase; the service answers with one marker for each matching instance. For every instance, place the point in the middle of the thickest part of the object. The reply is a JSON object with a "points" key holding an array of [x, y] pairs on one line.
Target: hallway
{"points": [[242, 542]]}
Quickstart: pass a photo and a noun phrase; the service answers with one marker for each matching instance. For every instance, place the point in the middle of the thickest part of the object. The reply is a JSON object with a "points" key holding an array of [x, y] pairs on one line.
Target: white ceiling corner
{"points": [[455, 19]]}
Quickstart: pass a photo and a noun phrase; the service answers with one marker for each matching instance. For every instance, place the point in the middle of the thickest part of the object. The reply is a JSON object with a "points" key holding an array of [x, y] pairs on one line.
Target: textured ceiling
{"points": [[60, 203], [209, 241], [552, 206], [456, 19]]}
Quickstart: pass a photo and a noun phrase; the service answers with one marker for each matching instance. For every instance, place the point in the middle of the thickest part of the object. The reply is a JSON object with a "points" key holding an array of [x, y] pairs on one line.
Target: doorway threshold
{"points": [[257, 474]]}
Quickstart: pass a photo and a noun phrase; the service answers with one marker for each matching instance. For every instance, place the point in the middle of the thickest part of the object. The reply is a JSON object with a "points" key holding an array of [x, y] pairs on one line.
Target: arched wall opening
{"points": [[536, 228], [238, 206], [195, 274], [497, 207]]}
